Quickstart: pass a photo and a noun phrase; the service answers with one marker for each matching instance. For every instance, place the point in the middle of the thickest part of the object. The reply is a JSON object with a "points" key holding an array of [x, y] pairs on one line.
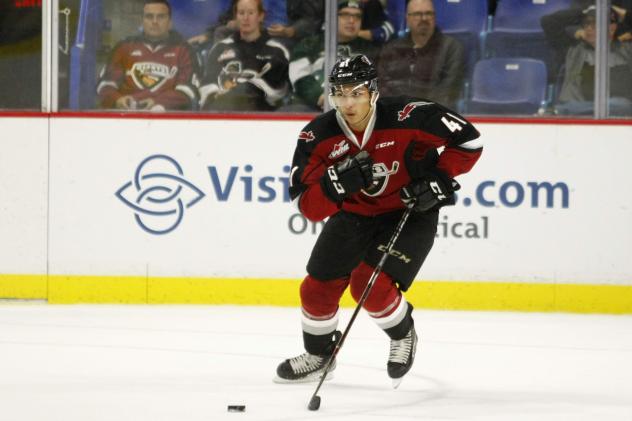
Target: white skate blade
{"points": [[397, 382], [312, 378]]}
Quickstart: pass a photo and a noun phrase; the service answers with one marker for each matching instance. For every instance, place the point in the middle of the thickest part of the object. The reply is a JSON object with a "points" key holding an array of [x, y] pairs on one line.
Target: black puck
{"points": [[236, 408]]}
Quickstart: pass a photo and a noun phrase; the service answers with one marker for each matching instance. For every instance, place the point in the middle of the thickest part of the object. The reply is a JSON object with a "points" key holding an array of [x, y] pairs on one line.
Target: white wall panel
{"points": [[23, 191], [582, 233]]}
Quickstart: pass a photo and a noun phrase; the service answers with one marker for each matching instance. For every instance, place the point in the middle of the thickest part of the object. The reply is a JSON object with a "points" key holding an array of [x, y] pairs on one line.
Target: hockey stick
{"points": [[314, 402]]}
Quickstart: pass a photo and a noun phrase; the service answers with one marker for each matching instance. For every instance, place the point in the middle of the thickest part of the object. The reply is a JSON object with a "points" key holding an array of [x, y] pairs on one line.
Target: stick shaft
{"points": [[365, 294]]}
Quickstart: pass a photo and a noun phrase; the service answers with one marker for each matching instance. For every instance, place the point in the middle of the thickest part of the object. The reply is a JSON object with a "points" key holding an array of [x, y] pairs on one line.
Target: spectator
{"points": [[376, 26], [304, 17], [577, 93], [247, 70], [562, 29], [307, 71], [425, 63], [154, 71]]}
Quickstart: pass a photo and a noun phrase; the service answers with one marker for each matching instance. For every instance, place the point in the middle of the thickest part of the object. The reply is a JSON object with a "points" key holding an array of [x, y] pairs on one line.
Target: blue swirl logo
{"points": [[159, 194]]}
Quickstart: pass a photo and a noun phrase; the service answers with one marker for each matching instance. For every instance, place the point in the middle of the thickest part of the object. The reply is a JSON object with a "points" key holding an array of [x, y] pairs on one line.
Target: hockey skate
{"points": [[307, 367], [401, 357], [304, 369]]}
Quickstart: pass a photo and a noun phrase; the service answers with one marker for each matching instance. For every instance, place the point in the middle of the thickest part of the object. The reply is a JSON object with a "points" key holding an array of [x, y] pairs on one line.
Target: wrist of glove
{"points": [[432, 190], [347, 177]]}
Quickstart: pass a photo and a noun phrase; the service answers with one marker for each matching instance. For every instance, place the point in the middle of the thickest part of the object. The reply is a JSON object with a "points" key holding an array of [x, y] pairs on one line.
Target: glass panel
{"points": [[435, 51], [248, 67], [125, 55], [20, 54], [620, 61], [571, 34]]}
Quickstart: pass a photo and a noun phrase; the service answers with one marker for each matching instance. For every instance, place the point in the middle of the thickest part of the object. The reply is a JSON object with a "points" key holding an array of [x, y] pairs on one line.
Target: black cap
{"points": [[356, 4]]}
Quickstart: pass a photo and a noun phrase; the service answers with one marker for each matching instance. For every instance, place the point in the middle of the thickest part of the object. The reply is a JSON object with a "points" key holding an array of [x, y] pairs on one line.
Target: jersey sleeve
{"points": [[461, 139], [305, 189], [209, 86], [111, 78]]}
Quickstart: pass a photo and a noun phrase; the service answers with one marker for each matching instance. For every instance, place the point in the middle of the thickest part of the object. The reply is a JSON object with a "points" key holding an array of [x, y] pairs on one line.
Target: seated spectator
{"points": [[376, 26], [577, 93], [154, 71], [248, 70], [562, 29], [304, 17], [425, 63], [307, 72]]}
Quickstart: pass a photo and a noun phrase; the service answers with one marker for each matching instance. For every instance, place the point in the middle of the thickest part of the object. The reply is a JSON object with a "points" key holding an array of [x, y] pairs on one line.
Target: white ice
{"points": [[80, 363]]}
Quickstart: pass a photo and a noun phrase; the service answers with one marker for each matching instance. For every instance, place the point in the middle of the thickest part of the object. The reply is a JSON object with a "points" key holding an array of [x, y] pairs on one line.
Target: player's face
{"points": [[248, 17], [354, 103], [349, 23], [156, 21], [420, 17]]}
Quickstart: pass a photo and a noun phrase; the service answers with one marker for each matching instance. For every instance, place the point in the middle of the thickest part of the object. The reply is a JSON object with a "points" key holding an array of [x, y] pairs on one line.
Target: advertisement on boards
{"points": [[209, 199]]}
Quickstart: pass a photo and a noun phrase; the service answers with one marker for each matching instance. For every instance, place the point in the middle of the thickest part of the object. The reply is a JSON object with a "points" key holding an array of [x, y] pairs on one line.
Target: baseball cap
{"points": [[590, 13], [356, 4]]}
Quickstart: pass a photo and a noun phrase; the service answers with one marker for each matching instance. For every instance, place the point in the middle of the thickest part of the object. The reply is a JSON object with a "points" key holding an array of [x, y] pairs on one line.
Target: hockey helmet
{"points": [[356, 70]]}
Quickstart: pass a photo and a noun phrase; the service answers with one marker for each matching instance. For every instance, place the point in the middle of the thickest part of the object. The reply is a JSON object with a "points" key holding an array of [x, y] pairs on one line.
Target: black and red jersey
{"points": [[398, 128], [166, 71]]}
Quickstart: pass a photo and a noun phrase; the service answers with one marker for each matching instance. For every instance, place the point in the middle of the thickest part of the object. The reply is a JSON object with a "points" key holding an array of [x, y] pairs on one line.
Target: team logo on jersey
{"points": [[404, 113], [307, 136], [150, 75], [339, 149], [381, 174]]}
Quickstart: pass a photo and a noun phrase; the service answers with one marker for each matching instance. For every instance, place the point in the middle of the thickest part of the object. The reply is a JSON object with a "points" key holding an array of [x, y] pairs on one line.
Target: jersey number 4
{"points": [[451, 124]]}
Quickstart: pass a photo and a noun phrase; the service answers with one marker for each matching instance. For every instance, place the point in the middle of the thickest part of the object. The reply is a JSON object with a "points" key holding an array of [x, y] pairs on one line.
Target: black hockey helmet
{"points": [[358, 69]]}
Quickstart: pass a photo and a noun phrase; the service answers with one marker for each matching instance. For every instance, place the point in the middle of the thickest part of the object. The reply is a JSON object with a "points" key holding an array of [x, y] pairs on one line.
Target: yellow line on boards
{"points": [[448, 295]]}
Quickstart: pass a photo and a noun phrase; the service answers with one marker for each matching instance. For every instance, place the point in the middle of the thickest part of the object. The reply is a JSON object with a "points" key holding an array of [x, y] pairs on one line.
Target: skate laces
{"points": [[400, 349], [306, 363]]}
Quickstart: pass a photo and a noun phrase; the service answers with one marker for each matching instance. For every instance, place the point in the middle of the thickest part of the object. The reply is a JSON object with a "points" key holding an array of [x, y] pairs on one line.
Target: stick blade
{"points": [[314, 403]]}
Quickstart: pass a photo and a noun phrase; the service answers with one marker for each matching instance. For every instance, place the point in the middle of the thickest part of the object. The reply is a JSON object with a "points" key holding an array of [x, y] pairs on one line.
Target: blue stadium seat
{"points": [[83, 72], [516, 30], [193, 17], [508, 86], [465, 20]]}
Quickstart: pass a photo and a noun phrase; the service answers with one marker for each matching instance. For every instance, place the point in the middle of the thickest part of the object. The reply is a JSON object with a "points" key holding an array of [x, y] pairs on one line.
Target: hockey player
{"points": [[359, 165]]}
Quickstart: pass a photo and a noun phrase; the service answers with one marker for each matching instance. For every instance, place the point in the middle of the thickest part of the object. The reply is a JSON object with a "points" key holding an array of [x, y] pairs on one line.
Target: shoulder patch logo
{"points": [[340, 149], [307, 136], [227, 55], [404, 113]]}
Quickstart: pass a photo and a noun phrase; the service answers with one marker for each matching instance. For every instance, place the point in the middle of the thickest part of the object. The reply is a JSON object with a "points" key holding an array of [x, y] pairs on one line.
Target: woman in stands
{"points": [[247, 70]]}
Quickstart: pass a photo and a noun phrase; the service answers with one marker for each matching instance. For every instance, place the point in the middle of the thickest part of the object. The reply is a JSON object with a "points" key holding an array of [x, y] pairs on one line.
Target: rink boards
{"points": [[196, 211]]}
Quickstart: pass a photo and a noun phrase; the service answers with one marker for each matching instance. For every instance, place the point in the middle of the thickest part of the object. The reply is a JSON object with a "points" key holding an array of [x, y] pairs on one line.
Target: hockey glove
{"points": [[348, 177], [418, 158], [433, 190]]}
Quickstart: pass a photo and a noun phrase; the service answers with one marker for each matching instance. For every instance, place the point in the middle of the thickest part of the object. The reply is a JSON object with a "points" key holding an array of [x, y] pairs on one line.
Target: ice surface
{"points": [[79, 363]]}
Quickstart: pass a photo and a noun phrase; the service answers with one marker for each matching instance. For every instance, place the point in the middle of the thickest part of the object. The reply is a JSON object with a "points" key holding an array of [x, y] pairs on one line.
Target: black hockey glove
{"points": [[348, 177], [433, 190]]}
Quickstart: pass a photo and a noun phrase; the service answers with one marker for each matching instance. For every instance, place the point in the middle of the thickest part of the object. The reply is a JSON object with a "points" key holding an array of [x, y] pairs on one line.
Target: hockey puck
{"points": [[236, 408]]}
